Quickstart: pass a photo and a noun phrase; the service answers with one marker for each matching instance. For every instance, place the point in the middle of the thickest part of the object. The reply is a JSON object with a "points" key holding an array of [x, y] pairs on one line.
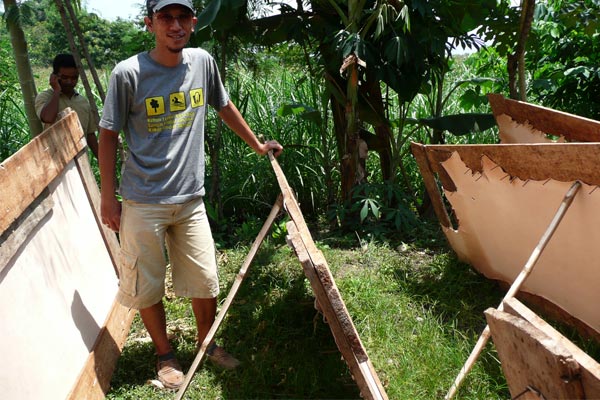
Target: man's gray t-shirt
{"points": [[162, 111]]}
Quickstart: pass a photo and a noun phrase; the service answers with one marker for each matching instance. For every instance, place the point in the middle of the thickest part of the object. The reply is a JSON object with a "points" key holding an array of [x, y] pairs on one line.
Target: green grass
{"points": [[417, 309]]}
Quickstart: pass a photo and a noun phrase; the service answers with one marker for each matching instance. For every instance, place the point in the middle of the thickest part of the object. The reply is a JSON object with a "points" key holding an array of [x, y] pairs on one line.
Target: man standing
{"points": [[159, 98], [62, 94]]}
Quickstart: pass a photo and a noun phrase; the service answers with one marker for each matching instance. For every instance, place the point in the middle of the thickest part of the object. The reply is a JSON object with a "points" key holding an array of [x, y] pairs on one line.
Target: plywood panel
{"points": [[55, 294], [61, 328], [501, 220], [25, 174]]}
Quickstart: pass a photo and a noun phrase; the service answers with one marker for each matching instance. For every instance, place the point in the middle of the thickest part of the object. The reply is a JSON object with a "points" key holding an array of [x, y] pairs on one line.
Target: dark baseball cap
{"points": [[157, 5]]}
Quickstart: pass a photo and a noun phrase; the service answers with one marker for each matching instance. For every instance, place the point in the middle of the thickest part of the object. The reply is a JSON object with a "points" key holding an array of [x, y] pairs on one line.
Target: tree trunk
{"points": [[354, 148], [382, 143], [87, 56], [516, 61], [77, 57], [214, 145], [19, 46]]}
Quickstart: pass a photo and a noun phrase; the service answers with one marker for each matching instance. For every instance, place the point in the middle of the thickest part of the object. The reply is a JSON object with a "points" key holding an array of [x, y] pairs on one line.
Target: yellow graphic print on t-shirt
{"points": [[177, 101], [197, 97], [155, 106], [160, 121]]}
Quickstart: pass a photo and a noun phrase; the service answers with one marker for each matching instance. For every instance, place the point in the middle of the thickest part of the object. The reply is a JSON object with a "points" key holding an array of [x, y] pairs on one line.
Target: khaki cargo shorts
{"points": [[153, 235]]}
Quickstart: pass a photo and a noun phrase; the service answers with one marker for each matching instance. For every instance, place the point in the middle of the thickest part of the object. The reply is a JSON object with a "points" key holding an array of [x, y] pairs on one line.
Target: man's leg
{"points": [[193, 258], [168, 369], [156, 323], [205, 311], [142, 246]]}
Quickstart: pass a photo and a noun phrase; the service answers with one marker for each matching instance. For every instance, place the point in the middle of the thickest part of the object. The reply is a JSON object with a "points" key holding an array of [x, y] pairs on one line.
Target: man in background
{"points": [[62, 94]]}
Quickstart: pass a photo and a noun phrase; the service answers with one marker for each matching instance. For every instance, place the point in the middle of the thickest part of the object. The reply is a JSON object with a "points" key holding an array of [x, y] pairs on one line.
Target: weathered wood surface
{"points": [[564, 162], [12, 238], [25, 174], [327, 295], [532, 361], [573, 128], [589, 368], [94, 381]]}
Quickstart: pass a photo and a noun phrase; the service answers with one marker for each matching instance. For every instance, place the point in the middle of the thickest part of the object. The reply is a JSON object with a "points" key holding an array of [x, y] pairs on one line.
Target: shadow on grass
{"points": [[286, 350]]}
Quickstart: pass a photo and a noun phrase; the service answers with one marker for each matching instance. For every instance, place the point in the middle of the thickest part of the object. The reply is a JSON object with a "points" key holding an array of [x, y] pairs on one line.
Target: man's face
{"points": [[68, 77], [172, 27]]}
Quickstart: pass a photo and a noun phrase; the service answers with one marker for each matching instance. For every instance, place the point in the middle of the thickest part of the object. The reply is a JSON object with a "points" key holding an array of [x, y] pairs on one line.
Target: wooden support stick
{"points": [[232, 292], [516, 285]]}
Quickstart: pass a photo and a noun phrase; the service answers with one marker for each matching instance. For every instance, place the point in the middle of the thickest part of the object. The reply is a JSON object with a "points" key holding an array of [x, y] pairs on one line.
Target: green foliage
{"points": [[461, 124], [379, 210], [14, 130], [248, 186], [108, 41], [564, 57]]}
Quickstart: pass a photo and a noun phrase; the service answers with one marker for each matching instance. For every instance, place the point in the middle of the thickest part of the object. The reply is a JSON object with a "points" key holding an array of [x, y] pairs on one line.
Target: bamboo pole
{"points": [[230, 296], [516, 285]]}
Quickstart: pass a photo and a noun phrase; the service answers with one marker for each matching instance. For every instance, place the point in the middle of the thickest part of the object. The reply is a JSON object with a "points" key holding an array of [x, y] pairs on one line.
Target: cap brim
{"points": [[162, 4]]}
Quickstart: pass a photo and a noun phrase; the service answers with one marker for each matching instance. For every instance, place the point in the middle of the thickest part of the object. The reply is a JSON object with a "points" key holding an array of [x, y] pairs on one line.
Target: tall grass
{"points": [[248, 185], [14, 130]]}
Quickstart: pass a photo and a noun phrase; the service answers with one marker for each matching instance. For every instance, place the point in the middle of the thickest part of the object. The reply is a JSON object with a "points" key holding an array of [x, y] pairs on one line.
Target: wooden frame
{"points": [[56, 162], [329, 299]]}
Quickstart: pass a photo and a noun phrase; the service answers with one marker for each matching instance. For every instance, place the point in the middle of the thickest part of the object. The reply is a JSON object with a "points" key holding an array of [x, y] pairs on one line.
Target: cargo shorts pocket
{"points": [[128, 273]]}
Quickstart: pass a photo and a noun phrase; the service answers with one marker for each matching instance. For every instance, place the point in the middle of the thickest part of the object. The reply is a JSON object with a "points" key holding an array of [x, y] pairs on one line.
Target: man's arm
{"points": [[234, 120], [50, 110], [110, 207], [92, 142]]}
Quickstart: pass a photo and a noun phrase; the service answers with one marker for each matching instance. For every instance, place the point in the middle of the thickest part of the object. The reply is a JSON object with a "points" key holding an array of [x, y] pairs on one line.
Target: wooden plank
{"points": [[293, 209], [316, 268], [565, 162], [590, 369], [554, 311], [572, 127], [13, 238], [328, 297], [419, 153], [93, 193], [337, 317], [315, 255], [25, 174], [94, 379], [533, 363]]}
